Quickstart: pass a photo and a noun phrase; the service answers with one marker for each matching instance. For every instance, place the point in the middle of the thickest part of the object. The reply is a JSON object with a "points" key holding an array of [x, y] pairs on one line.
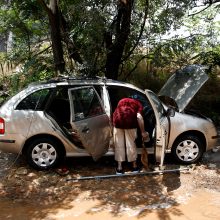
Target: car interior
{"points": [[59, 109], [116, 93]]}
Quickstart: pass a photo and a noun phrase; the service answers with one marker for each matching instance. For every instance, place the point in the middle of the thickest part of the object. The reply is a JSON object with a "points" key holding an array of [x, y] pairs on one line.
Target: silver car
{"points": [[69, 117]]}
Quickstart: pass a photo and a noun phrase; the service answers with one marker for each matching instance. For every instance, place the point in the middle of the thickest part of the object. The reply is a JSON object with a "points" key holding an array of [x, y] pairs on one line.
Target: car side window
{"points": [[86, 103], [34, 101], [157, 104]]}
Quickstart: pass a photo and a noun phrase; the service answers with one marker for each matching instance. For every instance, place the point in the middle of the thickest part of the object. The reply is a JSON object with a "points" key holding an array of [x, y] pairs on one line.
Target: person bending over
{"points": [[126, 119]]}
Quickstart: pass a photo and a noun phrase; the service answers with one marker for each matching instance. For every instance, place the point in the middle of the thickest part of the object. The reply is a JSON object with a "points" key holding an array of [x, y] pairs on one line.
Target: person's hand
{"points": [[145, 136]]}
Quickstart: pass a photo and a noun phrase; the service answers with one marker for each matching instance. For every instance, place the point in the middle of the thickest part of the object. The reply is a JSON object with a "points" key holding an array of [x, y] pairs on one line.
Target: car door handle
{"points": [[29, 117], [85, 130]]}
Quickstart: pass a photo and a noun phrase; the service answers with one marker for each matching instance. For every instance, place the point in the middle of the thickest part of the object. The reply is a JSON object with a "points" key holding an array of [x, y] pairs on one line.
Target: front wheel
{"points": [[188, 149], [43, 154]]}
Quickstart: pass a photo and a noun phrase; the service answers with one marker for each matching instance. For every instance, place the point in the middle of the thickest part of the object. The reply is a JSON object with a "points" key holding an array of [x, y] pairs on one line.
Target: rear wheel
{"points": [[188, 149], [43, 153]]}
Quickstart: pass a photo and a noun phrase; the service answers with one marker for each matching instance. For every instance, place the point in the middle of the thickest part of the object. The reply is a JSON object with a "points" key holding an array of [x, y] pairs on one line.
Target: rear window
{"points": [[34, 101]]}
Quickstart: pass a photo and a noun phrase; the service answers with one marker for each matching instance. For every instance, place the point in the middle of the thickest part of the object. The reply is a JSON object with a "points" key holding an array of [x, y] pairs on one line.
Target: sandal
{"points": [[62, 171]]}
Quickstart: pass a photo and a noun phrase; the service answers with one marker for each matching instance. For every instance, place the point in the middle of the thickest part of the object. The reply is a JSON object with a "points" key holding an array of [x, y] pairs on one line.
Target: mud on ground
{"points": [[20, 185]]}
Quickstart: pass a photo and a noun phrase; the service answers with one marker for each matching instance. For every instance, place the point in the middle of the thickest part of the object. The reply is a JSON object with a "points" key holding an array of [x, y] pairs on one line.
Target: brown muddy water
{"points": [[29, 194], [202, 205]]}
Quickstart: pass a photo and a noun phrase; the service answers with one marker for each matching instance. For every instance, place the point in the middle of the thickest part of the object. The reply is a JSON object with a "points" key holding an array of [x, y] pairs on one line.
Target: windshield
{"points": [[157, 103]]}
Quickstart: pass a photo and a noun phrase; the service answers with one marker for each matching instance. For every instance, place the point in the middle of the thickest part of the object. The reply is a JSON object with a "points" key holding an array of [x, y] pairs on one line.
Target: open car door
{"points": [[160, 127], [89, 121]]}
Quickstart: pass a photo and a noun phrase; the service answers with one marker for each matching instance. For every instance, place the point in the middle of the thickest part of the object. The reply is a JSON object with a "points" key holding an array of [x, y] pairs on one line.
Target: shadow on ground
{"points": [[29, 194]]}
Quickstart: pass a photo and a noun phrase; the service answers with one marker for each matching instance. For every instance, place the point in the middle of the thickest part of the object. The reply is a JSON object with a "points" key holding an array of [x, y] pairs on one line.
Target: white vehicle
{"points": [[72, 117]]}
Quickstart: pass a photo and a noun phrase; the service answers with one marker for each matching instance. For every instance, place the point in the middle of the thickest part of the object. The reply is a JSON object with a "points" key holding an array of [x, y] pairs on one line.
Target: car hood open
{"points": [[184, 84]]}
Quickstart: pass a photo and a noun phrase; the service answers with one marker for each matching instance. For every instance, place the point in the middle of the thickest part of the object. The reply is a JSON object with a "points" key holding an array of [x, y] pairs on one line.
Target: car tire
{"points": [[44, 153], [188, 149]]}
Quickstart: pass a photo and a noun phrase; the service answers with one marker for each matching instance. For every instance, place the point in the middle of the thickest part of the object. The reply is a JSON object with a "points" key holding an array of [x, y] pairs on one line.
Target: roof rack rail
{"points": [[66, 78]]}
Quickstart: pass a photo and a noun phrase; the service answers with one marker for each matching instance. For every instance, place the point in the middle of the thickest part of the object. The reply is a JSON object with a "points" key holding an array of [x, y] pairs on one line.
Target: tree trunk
{"points": [[54, 20], [71, 47], [122, 30]]}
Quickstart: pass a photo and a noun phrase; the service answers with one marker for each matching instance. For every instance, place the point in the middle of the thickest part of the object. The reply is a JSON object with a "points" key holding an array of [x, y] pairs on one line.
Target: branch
{"points": [[141, 31], [200, 10], [209, 3], [136, 65], [157, 49], [45, 6], [212, 1], [184, 38], [71, 47], [35, 55]]}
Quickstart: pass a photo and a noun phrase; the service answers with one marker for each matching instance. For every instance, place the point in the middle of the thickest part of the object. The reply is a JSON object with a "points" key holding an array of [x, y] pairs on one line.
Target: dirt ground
{"points": [[29, 194]]}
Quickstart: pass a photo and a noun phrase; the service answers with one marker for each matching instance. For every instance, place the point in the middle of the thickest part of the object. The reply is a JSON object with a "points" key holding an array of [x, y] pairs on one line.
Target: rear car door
{"points": [[161, 127], [89, 121]]}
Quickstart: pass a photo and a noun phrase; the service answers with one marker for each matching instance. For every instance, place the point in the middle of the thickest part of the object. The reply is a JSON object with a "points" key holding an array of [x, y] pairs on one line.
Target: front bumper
{"points": [[217, 138]]}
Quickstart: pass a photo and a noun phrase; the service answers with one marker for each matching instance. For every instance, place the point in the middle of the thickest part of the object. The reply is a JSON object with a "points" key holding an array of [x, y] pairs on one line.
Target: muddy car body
{"points": [[72, 117]]}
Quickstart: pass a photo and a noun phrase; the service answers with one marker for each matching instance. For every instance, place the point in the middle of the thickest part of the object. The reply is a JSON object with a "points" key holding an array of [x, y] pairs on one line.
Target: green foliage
{"points": [[29, 25], [211, 59], [150, 54], [207, 100], [26, 23]]}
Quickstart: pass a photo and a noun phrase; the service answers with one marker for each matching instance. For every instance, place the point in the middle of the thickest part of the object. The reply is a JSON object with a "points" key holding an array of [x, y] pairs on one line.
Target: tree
{"points": [[55, 27], [109, 39], [121, 24]]}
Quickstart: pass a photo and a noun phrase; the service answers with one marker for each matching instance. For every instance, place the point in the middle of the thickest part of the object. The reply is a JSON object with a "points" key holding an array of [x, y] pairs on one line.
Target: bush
{"points": [[207, 100]]}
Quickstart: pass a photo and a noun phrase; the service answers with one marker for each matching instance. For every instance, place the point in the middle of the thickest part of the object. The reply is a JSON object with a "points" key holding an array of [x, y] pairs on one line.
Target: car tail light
{"points": [[2, 126]]}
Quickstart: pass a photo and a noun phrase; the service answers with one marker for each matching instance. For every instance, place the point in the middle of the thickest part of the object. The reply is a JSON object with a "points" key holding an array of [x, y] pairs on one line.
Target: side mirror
{"points": [[170, 112]]}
